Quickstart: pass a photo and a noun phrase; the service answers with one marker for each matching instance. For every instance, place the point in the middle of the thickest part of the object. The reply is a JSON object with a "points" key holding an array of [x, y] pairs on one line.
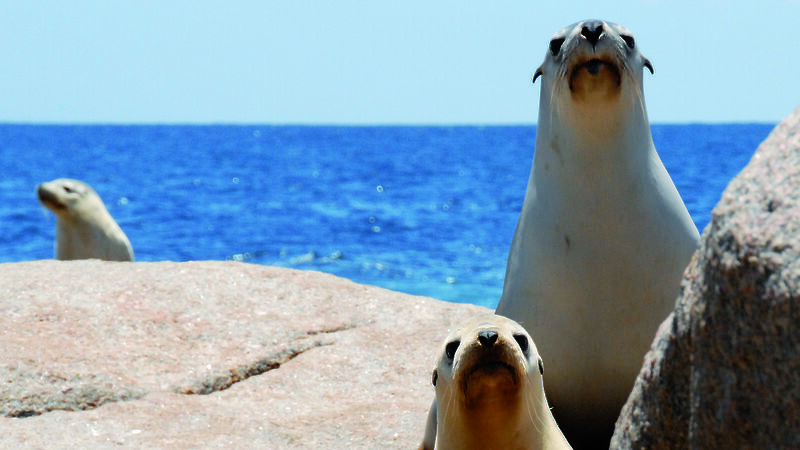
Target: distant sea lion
{"points": [[489, 391], [84, 228], [603, 237]]}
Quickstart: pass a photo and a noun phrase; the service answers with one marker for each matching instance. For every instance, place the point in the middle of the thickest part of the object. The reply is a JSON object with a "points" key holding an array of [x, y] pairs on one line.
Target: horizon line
{"points": [[344, 124]]}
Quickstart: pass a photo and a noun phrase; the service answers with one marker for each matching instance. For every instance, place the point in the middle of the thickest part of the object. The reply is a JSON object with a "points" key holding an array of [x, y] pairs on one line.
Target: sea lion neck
{"points": [[575, 142]]}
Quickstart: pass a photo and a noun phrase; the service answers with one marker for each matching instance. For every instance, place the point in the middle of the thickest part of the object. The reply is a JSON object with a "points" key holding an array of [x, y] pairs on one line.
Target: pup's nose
{"points": [[487, 338]]}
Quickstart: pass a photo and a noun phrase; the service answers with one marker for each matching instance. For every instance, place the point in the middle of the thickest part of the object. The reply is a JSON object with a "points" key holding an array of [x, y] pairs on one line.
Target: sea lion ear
{"points": [[435, 377], [649, 65], [537, 74]]}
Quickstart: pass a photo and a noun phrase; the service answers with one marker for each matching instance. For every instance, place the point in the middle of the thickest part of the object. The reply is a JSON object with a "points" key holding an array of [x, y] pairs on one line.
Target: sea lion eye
{"points": [[541, 367], [522, 340], [628, 40], [555, 45], [450, 349]]}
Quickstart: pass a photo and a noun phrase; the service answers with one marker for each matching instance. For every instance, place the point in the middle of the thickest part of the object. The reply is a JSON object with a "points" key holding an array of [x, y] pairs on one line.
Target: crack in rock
{"points": [[221, 381], [25, 393], [343, 327]]}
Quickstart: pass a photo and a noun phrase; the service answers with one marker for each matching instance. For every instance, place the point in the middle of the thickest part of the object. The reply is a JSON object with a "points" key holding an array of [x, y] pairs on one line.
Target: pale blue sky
{"points": [[385, 62]]}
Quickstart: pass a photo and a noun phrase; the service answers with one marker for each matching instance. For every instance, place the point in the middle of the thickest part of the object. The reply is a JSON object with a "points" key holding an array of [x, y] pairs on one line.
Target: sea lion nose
{"points": [[487, 338], [592, 31]]}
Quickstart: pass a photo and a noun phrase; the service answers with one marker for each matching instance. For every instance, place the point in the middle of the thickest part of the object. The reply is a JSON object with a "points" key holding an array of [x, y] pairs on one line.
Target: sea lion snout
{"points": [[592, 31], [44, 194], [487, 338]]}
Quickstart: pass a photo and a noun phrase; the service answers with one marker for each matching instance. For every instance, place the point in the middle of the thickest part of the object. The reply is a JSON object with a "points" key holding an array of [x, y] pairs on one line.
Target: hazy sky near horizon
{"points": [[376, 62]]}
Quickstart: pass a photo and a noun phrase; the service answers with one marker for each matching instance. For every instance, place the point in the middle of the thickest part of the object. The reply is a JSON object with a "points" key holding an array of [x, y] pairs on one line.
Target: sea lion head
{"points": [[592, 53], [69, 199], [489, 360], [489, 390], [592, 78]]}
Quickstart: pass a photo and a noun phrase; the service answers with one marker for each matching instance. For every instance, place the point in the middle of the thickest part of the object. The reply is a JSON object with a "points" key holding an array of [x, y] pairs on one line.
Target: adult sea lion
{"points": [[84, 228], [603, 237], [489, 392]]}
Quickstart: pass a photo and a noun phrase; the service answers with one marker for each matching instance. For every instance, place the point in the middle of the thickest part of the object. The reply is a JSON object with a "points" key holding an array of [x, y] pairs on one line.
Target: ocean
{"points": [[426, 210]]}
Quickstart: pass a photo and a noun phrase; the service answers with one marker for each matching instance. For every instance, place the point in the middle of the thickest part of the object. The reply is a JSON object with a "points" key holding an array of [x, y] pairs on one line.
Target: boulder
{"points": [[724, 368], [212, 354]]}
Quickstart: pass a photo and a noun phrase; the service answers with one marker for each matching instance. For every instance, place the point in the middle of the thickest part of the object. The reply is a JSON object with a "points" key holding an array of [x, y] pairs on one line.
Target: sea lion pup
{"points": [[489, 392], [84, 228], [603, 237]]}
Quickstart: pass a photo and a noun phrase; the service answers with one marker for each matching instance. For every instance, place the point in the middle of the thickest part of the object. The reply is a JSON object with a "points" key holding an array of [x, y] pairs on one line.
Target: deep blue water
{"points": [[423, 210]]}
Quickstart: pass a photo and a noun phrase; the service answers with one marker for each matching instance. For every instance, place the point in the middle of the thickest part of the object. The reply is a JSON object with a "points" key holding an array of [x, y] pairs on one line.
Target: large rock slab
{"points": [[212, 354], [724, 369]]}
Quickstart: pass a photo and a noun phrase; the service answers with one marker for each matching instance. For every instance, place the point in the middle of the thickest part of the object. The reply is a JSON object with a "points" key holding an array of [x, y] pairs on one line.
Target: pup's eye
{"points": [[628, 40], [450, 349], [555, 45], [522, 340]]}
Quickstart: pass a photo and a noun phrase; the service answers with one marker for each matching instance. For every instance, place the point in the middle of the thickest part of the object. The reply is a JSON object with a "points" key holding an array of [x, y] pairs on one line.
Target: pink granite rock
{"points": [[724, 369], [212, 354]]}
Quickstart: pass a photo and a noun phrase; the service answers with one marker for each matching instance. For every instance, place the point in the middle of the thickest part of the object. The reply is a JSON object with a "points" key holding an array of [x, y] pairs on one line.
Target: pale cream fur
{"points": [[489, 395], [603, 237], [84, 228]]}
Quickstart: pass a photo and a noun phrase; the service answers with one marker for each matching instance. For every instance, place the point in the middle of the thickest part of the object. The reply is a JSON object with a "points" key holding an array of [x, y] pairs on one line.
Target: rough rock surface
{"points": [[212, 354], [724, 369]]}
